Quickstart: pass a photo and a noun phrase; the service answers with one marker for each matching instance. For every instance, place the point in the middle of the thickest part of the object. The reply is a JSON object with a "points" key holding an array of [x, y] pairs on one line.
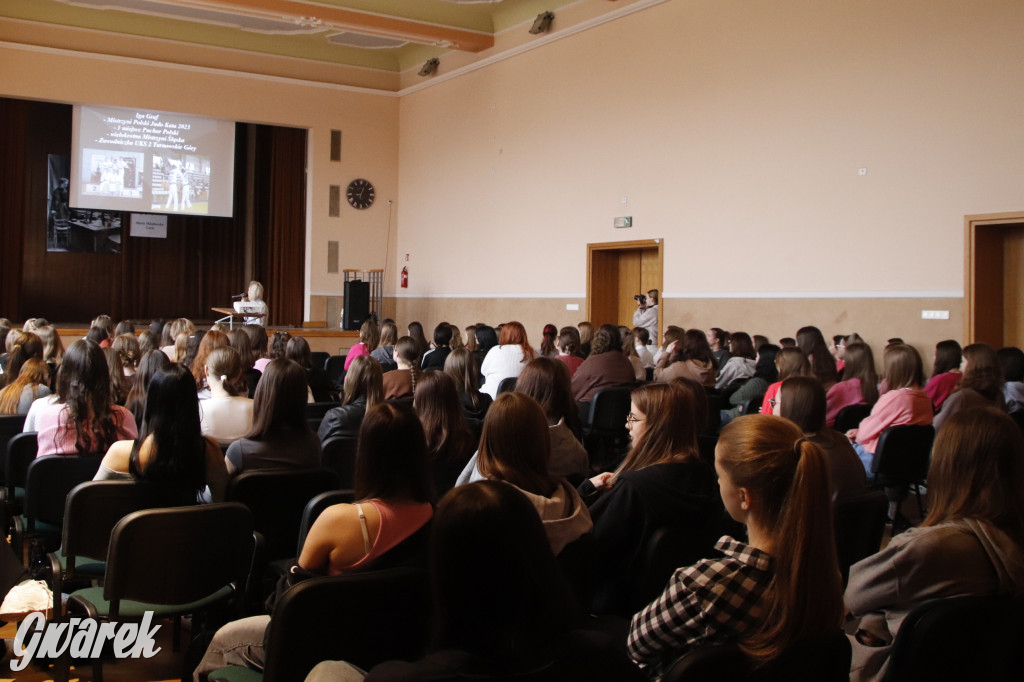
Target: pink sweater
{"points": [[354, 352], [841, 395], [899, 406], [941, 386]]}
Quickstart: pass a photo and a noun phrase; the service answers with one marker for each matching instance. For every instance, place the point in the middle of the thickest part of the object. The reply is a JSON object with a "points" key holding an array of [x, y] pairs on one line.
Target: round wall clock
{"points": [[360, 193]]}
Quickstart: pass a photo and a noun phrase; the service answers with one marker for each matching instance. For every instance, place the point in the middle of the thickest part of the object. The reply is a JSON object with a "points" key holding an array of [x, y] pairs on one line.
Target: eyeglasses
{"points": [[632, 418]]}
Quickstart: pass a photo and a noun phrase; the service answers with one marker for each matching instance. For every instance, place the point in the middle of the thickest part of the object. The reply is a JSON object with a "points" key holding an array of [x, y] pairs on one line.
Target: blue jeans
{"points": [[866, 458]]}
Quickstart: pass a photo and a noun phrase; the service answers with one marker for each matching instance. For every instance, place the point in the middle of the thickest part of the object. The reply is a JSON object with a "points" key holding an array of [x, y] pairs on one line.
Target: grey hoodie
{"points": [[955, 559]]}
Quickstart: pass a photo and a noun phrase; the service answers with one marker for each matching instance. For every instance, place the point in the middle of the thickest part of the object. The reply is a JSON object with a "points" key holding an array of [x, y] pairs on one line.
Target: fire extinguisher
{"points": [[405, 277]]}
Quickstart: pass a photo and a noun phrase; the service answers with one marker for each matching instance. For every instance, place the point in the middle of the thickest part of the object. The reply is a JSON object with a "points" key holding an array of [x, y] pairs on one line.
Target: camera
{"points": [[641, 298]]}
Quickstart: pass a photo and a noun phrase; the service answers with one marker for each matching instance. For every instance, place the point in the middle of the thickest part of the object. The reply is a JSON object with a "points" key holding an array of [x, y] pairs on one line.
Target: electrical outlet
{"points": [[934, 314], [572, 306]]}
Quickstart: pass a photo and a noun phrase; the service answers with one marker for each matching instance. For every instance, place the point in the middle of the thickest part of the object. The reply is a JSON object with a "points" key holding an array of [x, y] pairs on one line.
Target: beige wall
{"points": [[368, 121], [736, 131]]}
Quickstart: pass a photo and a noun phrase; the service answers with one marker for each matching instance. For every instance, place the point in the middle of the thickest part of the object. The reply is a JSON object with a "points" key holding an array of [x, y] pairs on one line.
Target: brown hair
{"points": [[391, 458], [788, 478], [694, 346], [436, 402], [860, 364], [240, 342], [22, 347], [948, 355], [53, 347], [547, 381], [226, 364], [369, 335], [569, 340], [257, 339], [670, 432], [984, 372], [514, 333], [456, 340], [388, 334], [977, 471], [586, 332], [115, 370], [791, 362], [461, 367], [741, 345], [408, 349], [127, 347], [515, 444], [34, 372], [471, 343], [804, 403], [212, 340], [364, 378], [280, 400], [903, 366]]}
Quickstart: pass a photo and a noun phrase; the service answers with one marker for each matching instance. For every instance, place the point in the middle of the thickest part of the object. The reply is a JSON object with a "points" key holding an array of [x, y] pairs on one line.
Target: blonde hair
{"points": [[34, 372]]}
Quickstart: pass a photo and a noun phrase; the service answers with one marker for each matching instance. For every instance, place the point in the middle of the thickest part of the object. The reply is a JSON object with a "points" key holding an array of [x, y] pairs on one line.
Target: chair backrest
{"points": [[10, 426], [960, 638], [21, 451], [93, 508], [277, 499], [507, 384], [320, 358], [315, 413], [752, 406], [859, 526], [823, 659], [363, 618], [315, 507], [609, 408], [903, 453], [668, 548], [339, 455], [178, 555], [49, 480], [334, 367], [850, 417]]}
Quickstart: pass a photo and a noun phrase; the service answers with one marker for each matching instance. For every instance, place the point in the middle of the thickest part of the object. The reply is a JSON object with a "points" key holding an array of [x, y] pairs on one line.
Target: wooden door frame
{"points": [[636, 245], [971, 268]]}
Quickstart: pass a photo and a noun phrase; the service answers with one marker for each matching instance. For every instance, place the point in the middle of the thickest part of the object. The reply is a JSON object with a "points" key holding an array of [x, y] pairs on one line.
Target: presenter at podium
{"points": [[253, 302]]}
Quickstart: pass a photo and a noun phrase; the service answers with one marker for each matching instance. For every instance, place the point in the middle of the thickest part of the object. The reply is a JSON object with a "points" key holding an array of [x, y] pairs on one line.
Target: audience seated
{"points": [[369, 338], [971, 543], [486, 339], [392, 484], [765, 374], [401, 382], [384, 353], [605, 367], [150, 363], [461, 367], [691, 357], [718, 342], [514, 448], [802, 401], [568, 344], [210, 341], [981, 383], [32, 383], [435, 357], [258, 341], [319, 386], [741, 363], [904, 403], [279, 436], [662, 482], [450, 442], [859, 385], [508, 358], [945, 372], [790, 361], [227, 415], [80, 418], [1012, 360], [672, 333], [119, 385], [547, 381], [779, 588], [240, 341], [170, 449], [416, 332], [823, 366], [629, 349], [363, 389], [586, 331], [21, 347], [548, 347]]}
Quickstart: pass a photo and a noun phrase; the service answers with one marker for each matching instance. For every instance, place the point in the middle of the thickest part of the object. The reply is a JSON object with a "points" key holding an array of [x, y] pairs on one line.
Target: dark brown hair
{"points": [[670, 432], [437, 404], [984, 372], [391, 458], [860, 364], [803, 403], [547, 381], [515, 444], [280, 401], [903, 366]]}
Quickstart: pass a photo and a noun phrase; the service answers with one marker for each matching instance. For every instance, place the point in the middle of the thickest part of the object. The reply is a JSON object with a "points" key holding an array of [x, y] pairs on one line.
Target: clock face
{"points": [[360, 193]]}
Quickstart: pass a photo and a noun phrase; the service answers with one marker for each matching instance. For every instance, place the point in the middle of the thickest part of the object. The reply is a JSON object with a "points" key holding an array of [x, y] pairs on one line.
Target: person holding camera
{"points": [[646, 314]]}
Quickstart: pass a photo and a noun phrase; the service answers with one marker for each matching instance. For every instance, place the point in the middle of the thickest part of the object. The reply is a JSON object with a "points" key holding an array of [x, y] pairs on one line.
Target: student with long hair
{"points": [[471, 342], [718, 342], [212, 340], [859, 385], [369, 339], [119, 386], [790, 361], [258, 341], [416, 332], [149, 364], [363, 389], [586, 331], [401, 381], [507, 359], [53, 348], [812, 342], [547, 341], [241, 342], [547, 381], [691, 356], [461, 367], [456, 341], [316, 377], [32, 383], [486, 339], [802, 401], [629, 349], [945, 372], [226, 415], [279, 436], [777, 589], [127, 347], [392, 486], [514, 448], [384, 353], [171, 332], [170, 449], [21, 347], [903, 403], [450, 442], [661, 482], [981, 383], [672, 334], [742, 361], [969, 544], [82, 419]]}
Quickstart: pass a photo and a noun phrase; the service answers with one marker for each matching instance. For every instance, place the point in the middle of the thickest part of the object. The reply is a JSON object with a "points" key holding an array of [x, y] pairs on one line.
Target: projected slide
{"points": [[151, 161]]}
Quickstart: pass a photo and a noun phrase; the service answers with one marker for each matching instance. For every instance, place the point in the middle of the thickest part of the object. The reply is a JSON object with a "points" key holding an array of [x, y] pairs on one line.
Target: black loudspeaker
{"points": [[357, 304]]}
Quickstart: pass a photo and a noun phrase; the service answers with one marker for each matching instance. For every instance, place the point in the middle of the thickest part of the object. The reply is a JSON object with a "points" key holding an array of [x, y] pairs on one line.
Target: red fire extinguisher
{"points": [[405, 277]]}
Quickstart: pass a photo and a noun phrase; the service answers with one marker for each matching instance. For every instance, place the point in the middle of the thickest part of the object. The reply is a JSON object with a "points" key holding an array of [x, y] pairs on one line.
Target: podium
{"points": [[230, 314]]}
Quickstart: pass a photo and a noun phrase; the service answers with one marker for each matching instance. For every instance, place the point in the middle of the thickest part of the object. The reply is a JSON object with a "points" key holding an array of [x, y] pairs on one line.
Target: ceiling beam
{"points": [[329, 16]]}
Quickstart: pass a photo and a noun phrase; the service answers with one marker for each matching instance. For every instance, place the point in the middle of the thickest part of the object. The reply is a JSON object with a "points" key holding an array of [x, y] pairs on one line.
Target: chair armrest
{"points": [[56, 584], [18, 536]]}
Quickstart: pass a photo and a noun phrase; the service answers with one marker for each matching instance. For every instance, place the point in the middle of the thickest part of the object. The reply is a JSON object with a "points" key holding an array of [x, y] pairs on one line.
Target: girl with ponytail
{"points": [[401, 382], [779, 588]]}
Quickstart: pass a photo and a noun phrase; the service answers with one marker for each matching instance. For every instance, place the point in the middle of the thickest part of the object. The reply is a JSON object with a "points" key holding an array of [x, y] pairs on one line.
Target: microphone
{"points": [[238, 296]]}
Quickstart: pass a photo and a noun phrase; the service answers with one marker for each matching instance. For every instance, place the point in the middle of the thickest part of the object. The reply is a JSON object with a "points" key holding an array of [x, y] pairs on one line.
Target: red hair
{"points": [[514, 334]]}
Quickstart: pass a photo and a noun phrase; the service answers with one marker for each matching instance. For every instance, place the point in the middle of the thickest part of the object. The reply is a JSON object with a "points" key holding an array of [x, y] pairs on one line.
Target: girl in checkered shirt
{"points": [[781, 586]]}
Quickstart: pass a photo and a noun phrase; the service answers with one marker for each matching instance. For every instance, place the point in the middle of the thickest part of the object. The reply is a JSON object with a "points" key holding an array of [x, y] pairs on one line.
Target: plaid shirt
{"points": [[712, 601]]}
